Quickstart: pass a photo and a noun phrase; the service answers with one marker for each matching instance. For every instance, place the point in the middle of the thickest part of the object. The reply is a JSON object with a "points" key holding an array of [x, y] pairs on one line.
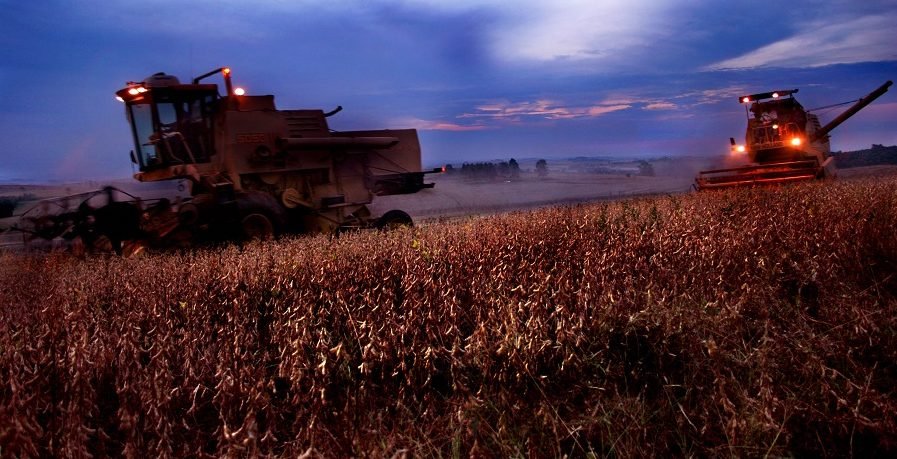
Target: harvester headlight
{"points": [[120, 98], [796, 141], [775, 95], [141, 89], [239, 91], [740, 148], [745, 100], [775, 126], [133, 91]]}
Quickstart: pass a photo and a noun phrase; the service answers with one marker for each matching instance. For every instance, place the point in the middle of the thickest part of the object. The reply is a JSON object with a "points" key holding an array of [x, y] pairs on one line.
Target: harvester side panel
{"points": [[393, 168], [404, 156], [351, 179], [306, 123], [249, 142]]}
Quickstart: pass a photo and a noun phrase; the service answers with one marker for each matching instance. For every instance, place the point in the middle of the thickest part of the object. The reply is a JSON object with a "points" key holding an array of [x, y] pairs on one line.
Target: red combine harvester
{"points": [[784, 142]]}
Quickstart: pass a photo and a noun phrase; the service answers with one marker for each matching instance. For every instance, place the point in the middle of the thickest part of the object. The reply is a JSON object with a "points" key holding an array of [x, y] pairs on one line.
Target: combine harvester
{"points": [[784, 142], [253, 172]]}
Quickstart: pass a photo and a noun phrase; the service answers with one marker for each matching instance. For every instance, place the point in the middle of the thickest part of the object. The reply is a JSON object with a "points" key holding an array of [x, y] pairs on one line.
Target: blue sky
{"points": [[480, 79]]}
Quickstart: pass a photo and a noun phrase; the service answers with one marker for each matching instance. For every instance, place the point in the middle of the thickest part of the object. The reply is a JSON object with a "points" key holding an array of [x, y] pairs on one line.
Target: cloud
{"points": [[662, 99], [573, 35], [193, 21], [579, 29], [691, 99], [540, 109], [661, 106], [864, 39], [599, 110], [622, 100], [569, 31], [436, 125]]}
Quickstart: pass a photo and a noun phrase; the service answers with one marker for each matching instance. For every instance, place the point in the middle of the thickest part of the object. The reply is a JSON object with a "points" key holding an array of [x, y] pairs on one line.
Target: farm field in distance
{"points": [[746, 322], [569, 181]]}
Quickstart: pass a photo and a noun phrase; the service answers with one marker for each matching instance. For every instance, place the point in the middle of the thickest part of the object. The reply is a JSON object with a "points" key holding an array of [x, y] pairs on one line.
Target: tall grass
{"points": [[745, 323]]}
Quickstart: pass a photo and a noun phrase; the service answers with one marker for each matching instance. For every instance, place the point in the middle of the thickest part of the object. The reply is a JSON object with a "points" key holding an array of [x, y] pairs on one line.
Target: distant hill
{"points": [[878, 154]]}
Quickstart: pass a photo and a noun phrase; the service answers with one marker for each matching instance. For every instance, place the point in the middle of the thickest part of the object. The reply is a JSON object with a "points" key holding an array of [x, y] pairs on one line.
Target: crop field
{"points": [[756, 322]]}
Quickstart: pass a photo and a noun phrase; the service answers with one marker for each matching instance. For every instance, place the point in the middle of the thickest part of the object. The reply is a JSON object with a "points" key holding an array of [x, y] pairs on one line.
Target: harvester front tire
{"points": [[257, 227], [394, 219], [102, 244]]}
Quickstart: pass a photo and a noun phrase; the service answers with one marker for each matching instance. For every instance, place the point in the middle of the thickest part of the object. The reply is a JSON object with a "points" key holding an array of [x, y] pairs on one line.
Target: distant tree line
{"points": [[489, 170], [877, 155], [542, 168], [645, 169]]}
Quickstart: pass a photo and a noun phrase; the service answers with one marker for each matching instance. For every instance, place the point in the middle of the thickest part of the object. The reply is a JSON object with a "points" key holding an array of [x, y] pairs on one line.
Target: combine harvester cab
{"points": [[255, 171], [784, 142]]}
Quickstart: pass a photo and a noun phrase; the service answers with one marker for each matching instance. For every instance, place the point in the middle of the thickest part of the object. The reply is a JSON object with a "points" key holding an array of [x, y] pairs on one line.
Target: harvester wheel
{"points": [[257, 226], [45, 227], [102, 244], [181, 238], [133, 249], [394, 219]]}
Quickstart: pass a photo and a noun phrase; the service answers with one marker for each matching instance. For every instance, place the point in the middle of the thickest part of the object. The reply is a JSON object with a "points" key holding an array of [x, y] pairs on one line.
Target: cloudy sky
{"points": [[480, 79]]}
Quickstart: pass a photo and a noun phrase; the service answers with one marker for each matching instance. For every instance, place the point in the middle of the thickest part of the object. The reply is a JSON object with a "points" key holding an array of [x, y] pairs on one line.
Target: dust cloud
{"points": [[568, 182]]}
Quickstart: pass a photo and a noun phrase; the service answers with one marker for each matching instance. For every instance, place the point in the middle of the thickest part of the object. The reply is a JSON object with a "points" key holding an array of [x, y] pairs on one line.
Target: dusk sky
{"points": [[480, 79]]}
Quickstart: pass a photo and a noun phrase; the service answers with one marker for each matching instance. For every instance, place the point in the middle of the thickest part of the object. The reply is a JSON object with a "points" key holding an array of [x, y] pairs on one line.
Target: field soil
{"points": [[567, 182]]}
